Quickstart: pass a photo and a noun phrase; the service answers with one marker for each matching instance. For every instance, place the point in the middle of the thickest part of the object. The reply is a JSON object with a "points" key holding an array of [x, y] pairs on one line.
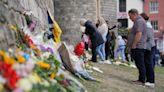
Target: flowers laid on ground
{"points": [[31, 74], [6, 58], [33, 68], [6, 71], [42, 64]]}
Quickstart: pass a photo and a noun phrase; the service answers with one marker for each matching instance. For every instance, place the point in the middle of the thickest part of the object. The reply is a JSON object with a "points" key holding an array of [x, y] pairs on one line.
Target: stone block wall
{"points": [[11, 14], [109, 10], [68, 14]]}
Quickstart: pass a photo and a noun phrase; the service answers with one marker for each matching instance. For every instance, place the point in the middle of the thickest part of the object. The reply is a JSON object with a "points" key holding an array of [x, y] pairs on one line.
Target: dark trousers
{"points": [[107, 49], [112, 52], [126, 57], [86, 46], [138, 56], [162, 57], [149, 65], [94, 58], [153, 49]]}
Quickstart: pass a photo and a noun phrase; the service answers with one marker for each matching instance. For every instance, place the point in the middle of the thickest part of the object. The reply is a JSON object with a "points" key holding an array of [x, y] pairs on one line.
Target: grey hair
{"points": [[82, 21], [133, 11]]}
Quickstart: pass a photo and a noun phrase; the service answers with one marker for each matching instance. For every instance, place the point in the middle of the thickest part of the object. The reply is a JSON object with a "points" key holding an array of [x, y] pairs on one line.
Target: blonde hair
{"points": [[101, 20]]}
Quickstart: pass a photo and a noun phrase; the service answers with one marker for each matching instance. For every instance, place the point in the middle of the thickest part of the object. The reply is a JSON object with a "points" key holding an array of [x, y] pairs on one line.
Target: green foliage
{"points": [[20, 38], [55, 66], [123, 32], [54, 87], [54, 62], [28, 19]]}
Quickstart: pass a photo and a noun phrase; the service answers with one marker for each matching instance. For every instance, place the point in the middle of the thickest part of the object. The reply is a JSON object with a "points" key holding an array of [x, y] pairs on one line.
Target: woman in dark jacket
{"points": [[94, 35]]}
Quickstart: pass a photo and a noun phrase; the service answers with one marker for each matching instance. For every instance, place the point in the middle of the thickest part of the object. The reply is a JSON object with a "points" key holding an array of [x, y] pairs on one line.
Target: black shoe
{"points": [[90, 60], [94, 61], [138, 82]]}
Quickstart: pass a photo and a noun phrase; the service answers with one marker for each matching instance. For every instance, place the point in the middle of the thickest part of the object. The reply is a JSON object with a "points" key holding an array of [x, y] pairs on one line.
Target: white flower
{"points": [[25, 84], [29, 66], [2, 80], [53, 81], [45, 83], [32, 79], [46, 55], [17, 66]]}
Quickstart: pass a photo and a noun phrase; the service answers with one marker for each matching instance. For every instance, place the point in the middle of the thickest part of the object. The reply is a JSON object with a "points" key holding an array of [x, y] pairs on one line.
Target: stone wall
{"points": [[68, 14], [109, 10], [11, 14]]}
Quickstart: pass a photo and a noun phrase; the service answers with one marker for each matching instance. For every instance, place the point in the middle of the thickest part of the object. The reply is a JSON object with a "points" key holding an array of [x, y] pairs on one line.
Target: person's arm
{"points": [[136, 39], [112, 27]]}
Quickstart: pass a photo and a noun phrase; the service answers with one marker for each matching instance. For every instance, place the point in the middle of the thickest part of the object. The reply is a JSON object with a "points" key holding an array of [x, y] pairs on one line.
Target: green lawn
{"points": [[118, 79]]}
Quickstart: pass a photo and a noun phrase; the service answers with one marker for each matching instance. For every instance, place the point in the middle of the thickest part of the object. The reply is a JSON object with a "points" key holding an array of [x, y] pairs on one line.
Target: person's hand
{"points": [[162, 53], [133, 46], [114, 26]]}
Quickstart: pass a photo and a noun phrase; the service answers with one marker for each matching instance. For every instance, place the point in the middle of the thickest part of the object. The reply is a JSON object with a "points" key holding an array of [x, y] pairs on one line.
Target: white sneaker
{"points": [[117, 62], [107, 62], [124, 64], [101, 62], [151, 85], [132, 66]]}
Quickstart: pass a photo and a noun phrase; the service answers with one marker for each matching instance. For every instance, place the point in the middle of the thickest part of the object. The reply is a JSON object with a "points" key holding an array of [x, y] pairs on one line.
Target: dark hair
{"points": [[133, 11], [113, 35], [145, 16]]}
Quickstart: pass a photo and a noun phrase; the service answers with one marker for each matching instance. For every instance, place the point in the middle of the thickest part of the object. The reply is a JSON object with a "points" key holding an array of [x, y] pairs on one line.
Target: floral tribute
{"points": [[32, 69]]}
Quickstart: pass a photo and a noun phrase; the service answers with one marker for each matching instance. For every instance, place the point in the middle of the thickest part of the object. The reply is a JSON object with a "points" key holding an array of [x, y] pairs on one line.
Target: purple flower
{"points": [[50, 50], [44, 49]]}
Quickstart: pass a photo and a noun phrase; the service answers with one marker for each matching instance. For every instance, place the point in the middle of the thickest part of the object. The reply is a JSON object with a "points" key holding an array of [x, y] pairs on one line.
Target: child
{"points": [[120, 48]]}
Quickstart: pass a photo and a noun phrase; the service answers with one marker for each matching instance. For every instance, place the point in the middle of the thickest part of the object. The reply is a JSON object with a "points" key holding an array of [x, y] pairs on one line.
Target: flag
{"points": [[54, 28]]}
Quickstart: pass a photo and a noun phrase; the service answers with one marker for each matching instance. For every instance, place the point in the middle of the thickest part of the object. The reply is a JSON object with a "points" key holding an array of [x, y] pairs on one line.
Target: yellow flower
{"points": [[38, 79], [43, 64], [1, 87], [11, 61], [2, 53], [34, 47], [18, 50], [6, 58], [20, 59], [52, 76], [14, 28]]}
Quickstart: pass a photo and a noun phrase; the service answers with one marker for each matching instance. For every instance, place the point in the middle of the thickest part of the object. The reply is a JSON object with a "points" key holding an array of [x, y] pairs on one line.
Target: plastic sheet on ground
{"points": [[72, 63]]}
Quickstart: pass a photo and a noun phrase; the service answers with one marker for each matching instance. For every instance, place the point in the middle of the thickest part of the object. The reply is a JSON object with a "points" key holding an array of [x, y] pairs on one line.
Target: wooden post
{"points": [[98, 11]]}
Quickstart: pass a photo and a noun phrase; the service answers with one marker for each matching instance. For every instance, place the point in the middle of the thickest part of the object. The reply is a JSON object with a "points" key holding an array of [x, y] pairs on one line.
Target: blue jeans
{"points": [[120, 49], [101, 51]]}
